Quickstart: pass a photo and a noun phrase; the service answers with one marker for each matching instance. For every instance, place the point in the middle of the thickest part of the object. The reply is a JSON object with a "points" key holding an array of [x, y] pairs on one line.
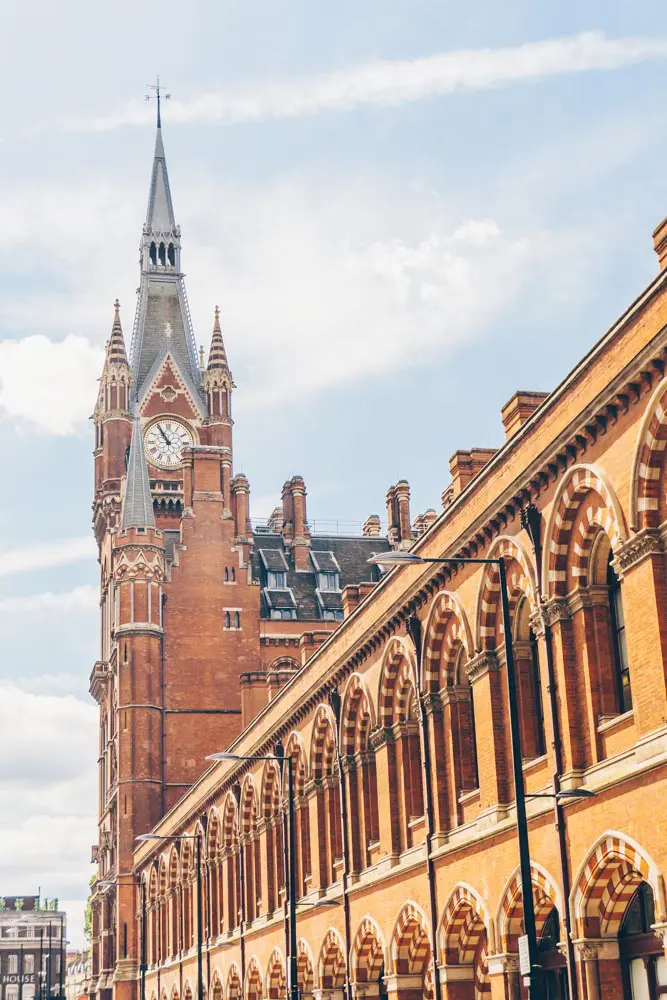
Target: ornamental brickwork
{"points": [[406, 856]]}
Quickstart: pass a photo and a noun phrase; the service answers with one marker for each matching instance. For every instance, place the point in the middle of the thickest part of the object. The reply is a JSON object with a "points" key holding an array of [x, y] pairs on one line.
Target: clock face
{"points": [[165, 440]]}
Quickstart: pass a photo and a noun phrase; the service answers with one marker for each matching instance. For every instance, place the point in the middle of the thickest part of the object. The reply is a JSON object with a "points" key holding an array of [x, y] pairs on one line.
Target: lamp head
{"points": [[395, 558]]}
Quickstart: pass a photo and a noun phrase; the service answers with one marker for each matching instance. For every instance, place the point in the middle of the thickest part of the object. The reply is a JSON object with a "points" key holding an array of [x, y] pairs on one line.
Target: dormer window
{"points": [[328, 581], [276, 580]]}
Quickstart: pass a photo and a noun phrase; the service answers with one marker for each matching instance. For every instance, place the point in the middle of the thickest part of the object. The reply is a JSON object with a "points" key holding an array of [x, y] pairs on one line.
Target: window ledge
{"points": [[609, 722], [533, 763], [415, 820], [470, 796]]}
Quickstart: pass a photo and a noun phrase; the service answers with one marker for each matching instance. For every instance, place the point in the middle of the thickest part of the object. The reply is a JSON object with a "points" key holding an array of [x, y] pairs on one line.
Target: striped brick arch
{"points": [[294, 749], [649, 462], [304, 967], [270, 790], [445, 631], [230, 825], [584, 505], [395, 680], [463, 927], [410, 944], [368, 953], [216, 988], [510, 917], [607, 882], [357, 717], [331, 964], [212, 833], [248, 807], [253, 980], [520, 583], [276, 980], [323, 745], [233, 984]]}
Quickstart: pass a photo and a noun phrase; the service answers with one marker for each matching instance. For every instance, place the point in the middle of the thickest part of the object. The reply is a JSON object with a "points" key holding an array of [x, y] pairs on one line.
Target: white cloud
{"points": [[388, 83], [49, 384], [41, 605], [45, 555], [47, 793]]}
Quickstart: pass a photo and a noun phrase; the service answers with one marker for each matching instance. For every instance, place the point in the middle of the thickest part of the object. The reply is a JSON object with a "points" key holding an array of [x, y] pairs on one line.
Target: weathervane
{"points": [[157, 95]]}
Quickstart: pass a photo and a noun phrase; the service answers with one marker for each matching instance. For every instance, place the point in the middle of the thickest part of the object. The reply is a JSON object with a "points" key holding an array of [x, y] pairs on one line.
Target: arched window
{"points": [[233, 575], [162, 253], [465, 728], [619, 648], [228, 620], [643, 965], [529, 684], [237, 619], [226, 575], [171, 255], [153, 253]]}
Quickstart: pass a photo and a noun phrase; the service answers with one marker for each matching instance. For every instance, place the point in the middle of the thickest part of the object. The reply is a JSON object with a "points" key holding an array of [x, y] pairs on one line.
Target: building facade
{"points": [[77, 975], [389, 697], [32, 942]]}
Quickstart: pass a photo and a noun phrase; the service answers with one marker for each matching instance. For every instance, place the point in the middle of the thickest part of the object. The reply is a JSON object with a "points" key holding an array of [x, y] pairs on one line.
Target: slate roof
{"points": [[350, 554], [137, 502]]}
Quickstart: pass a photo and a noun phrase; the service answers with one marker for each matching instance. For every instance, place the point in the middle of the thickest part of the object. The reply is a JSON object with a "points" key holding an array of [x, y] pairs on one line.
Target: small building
{"points": [[32, 941], [77, 973]]}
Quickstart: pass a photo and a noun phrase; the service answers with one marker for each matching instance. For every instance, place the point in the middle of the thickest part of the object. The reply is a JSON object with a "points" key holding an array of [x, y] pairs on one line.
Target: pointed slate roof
{"points": [[116, 346], [217, 357], [137, 502], [163, 314], [160, 213]]}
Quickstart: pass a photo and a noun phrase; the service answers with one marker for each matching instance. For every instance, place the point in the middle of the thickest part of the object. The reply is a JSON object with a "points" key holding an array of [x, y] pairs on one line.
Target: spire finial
{"points": [[202, 363], [157, 95]]}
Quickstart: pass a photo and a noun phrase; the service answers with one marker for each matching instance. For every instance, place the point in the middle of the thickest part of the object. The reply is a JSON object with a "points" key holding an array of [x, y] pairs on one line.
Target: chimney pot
{"points": [[660, 243], [518, 409]]}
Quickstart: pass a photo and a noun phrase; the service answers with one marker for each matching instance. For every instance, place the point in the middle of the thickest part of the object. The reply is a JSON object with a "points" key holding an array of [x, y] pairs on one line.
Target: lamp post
{"points": [[197, 838], [108, 884], [280, 759], [411, 558]]}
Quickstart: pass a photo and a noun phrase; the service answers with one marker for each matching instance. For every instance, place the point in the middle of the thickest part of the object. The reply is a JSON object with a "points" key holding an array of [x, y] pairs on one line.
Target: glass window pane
{"points": [[639, 980], [661, 970]]}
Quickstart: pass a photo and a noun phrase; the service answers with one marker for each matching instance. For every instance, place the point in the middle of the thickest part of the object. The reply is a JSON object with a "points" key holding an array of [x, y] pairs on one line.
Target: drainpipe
{"points": [[413, 627], [531, 521], [335, 703], [163, 713]]}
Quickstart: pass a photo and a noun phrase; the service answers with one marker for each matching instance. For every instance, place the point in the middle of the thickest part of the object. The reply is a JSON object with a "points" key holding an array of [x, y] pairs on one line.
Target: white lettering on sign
{"points": [[524, 955]]}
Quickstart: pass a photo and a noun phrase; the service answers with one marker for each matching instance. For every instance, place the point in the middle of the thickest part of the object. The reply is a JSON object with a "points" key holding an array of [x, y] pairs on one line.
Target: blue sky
{"points": [[405, 210]]}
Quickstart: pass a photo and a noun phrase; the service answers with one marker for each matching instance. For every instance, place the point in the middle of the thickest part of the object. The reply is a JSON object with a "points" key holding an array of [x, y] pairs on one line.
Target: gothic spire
{"points": [[217, 357], [160, 213], [137, 502], [116, 346]]}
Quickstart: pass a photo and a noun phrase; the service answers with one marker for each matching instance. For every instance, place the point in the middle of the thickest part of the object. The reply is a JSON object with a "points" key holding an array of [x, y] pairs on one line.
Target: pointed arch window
{"points": [[171, 255], [619, 646], [162, 253], [152, 253], [228, 620]]}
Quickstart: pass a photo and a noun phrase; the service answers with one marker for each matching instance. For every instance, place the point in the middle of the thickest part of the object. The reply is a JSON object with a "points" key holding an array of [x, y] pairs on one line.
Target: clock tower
{"points": [[180, 612]]}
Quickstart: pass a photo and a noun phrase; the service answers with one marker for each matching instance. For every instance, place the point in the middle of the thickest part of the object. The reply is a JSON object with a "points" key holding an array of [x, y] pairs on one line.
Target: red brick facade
{"points": [[587, 605]]}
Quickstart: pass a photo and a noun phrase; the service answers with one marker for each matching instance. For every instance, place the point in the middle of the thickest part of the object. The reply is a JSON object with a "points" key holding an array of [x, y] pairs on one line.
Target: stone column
{"points": [[641, 565], [599, 967], [493, 760], [504, 977], [365, 991], [457, 982], [404, 987], [383, 743]]}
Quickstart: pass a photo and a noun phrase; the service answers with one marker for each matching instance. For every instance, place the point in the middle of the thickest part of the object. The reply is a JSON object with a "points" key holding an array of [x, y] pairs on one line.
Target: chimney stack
{"points": [[295, 523], [371, 528], [398, 515], [424, 521], [519, 408], [660, 243]]}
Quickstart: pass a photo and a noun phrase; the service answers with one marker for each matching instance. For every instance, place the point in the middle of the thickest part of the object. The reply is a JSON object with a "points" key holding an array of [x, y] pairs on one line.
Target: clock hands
{"points": [[166, 439]]}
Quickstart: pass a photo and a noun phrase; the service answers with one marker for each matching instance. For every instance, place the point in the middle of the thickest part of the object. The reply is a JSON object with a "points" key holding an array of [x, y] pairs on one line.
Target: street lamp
{"points": [[197, 838], [109, 884], [399, 558], [282, 759]]}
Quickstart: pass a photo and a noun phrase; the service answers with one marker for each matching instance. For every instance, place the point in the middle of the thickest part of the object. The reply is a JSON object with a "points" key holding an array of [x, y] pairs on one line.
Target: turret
{"points": [[111, 415], [218, 387]]}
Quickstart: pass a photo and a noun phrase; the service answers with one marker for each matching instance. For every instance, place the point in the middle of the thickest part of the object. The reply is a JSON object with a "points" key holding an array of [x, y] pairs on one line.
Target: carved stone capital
{"points": [[660, 931], [591, 597], [482, 664], [432, 702], [502, 963], [458, 695], [348, 763], [555, 610], [643, 545], [596, 949], [379, 737]]}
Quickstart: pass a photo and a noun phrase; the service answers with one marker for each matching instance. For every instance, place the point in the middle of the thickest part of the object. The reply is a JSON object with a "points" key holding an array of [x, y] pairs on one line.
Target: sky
{"points": [[406, 211]]}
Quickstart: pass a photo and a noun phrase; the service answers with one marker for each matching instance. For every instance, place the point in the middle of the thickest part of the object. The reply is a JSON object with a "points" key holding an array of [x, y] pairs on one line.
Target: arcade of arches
{"points": [[588, 610]]}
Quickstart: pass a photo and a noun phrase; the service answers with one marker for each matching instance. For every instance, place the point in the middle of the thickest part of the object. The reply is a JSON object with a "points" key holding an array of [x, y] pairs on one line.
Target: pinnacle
{"points": [[217, 357], [116, 344]]}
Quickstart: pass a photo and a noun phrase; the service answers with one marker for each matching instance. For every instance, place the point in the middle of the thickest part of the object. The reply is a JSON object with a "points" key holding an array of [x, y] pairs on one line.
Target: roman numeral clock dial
{"points": [[165, 440]]}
